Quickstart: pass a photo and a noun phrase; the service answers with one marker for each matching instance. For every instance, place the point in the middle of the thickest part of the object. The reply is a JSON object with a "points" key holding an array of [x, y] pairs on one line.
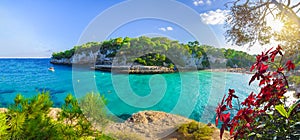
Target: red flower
{"points": [[263, 68], [219, 110], [259, 60], [275, 52], [250, 101], [235, 123], [290, 65], [256, 75], [244, 113], [273, 87], [222, 130], [225, 118], [229, 98], [280, 69], [265, 80]]}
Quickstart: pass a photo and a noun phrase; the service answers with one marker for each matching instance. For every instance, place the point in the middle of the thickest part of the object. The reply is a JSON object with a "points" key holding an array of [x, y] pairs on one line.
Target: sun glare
{"points": [[275, 24]]}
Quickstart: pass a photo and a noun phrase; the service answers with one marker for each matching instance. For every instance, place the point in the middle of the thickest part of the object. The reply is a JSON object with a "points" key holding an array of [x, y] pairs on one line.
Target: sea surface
{"points": [[190, 94]]}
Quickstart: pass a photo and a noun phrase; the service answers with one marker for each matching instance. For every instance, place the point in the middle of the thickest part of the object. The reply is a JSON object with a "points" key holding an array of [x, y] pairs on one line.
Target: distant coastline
{"points": [[152, 55], [233, 70]]}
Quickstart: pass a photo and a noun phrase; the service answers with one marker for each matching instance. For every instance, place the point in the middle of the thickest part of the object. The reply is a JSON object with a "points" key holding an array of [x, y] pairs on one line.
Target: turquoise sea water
{"points": [[191, 94]]}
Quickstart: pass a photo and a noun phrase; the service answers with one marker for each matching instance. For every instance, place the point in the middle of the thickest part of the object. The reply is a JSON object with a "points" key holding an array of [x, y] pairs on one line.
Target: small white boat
{"points": [[51, 69]]}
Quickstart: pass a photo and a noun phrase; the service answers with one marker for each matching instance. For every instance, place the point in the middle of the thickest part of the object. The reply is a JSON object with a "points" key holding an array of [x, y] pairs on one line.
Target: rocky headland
{"points": [[152, 55]]}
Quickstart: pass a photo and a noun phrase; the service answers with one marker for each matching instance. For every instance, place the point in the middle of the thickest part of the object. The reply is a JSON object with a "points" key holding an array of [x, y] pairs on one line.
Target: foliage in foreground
{"points": [[195, 130], [264, 115], [28, 118]]}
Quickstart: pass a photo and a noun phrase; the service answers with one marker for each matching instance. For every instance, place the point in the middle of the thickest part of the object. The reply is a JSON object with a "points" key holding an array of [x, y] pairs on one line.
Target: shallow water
{"points": [[190, 94]]}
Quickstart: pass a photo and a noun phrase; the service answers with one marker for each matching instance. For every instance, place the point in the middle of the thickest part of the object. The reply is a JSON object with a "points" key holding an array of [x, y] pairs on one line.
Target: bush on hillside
{"points": [[195, 130]]}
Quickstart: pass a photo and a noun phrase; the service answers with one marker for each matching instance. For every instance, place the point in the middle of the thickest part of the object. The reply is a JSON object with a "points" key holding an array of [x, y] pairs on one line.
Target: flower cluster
{"points": [[251, 117]]}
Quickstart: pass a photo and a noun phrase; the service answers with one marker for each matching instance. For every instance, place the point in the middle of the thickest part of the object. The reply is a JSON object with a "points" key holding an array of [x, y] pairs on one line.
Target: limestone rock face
{"points": [[84, 58], [77, 58], [63, 61], [103, 57]]}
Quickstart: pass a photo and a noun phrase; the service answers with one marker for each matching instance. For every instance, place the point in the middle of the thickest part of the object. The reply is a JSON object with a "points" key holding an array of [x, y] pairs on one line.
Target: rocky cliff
{"points": [[157, 51], [101, 58], [80, 58]]}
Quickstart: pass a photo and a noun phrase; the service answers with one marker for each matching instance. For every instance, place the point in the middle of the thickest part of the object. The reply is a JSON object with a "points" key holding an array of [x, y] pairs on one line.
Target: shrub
{"points": [[195, 130], [3, 126], [83, 114], [93, 107], [72, 122], [28, 118], [171, 66], [265, 115]]}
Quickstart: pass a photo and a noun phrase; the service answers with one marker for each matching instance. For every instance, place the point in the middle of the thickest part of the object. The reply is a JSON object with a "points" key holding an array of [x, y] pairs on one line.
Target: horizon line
{"points": [[21, 57]]}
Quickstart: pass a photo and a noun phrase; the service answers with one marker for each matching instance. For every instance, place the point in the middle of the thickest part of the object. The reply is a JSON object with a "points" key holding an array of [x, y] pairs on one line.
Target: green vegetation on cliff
{"points": [[160, 51], [65, 54]]}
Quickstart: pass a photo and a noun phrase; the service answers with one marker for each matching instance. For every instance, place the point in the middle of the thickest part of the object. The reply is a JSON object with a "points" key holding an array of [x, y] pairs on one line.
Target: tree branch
{"points": [[296, 5], [271, 12], [264, 4], [288, 11], [264, 14], [247, 2]]}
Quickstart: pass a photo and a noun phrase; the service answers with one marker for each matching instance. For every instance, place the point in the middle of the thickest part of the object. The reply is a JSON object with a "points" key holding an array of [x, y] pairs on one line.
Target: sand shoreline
{"points": [[134, 69], [139, 69]]}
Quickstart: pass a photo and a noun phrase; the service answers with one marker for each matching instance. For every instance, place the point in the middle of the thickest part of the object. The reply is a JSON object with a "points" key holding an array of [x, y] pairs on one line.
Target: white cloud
{"points": [[198, 2], [202, 2], [162, 29], [208, 2], [169, 28], [214, 17]]}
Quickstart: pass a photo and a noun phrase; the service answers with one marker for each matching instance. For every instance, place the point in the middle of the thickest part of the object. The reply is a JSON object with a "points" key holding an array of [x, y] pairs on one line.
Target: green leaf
{"points": [[251, 134], [292, 108], [270, 115], [3, 126], [297, 123], [259, 135], [281, 110], [261, 126]]}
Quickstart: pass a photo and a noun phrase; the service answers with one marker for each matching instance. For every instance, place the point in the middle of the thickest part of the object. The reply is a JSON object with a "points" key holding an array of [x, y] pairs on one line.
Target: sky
{"points": [[31, 28]]}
